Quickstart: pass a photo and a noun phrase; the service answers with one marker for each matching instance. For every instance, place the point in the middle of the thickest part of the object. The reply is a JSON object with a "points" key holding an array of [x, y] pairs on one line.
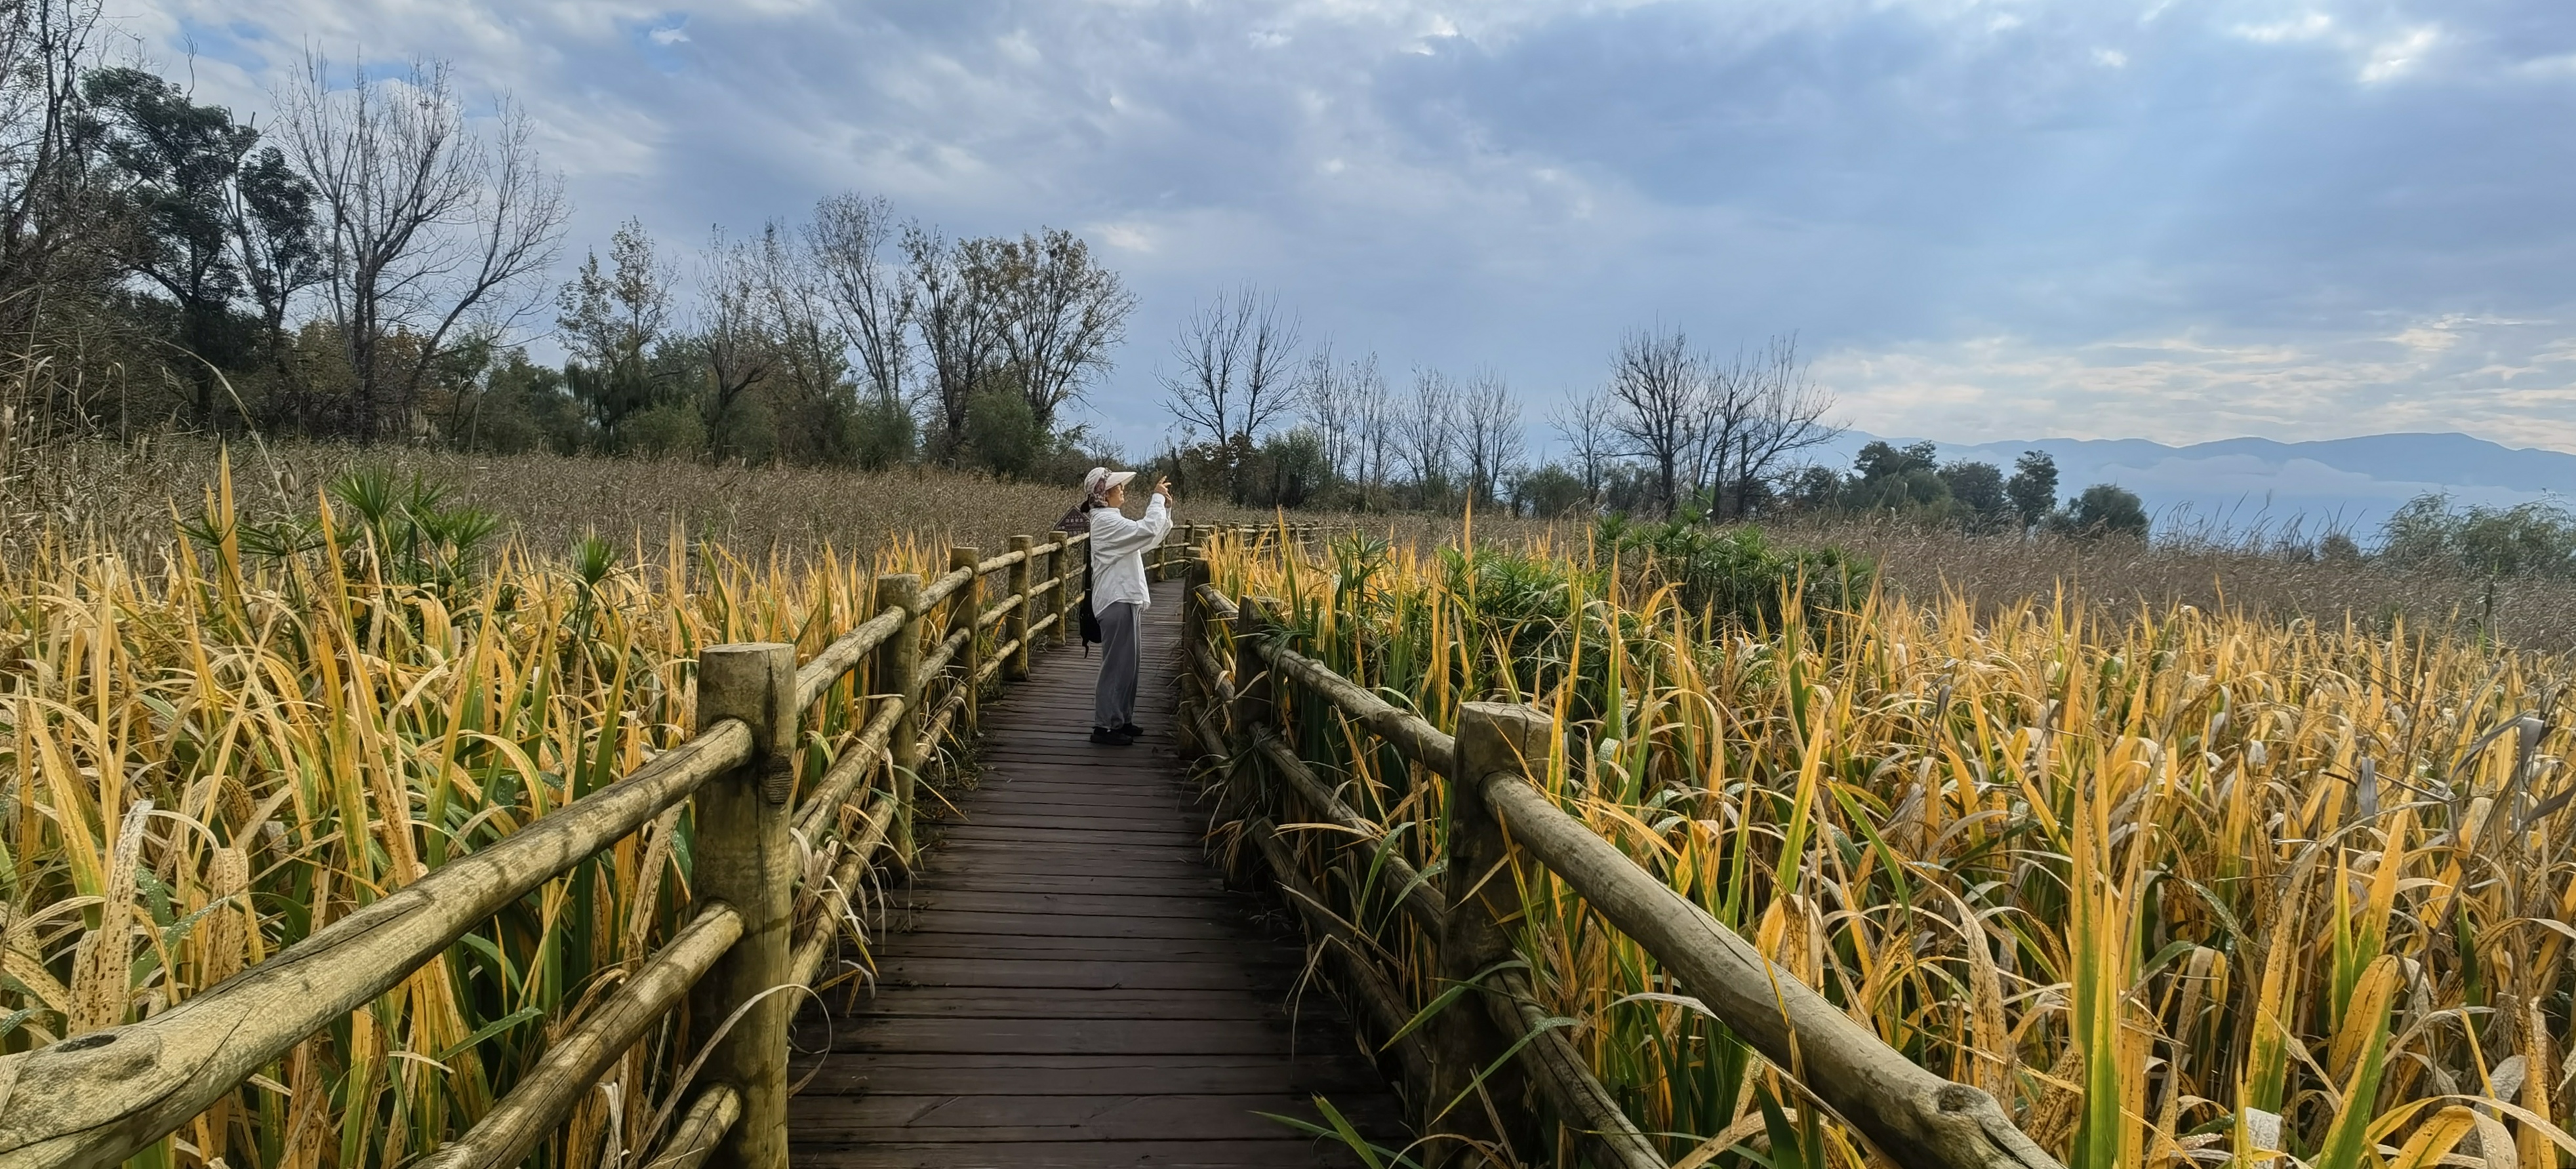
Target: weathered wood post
{"points": [[964, 606], [1067, 562], [1484, 912], [1255, 702], [745, 858], [1016, 669], [897, 673], [1193, 611], [1197, 689]]}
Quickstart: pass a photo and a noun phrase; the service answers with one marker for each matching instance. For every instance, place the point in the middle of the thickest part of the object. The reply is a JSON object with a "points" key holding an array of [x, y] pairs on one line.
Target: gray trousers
{"points": [[1121, 645]]}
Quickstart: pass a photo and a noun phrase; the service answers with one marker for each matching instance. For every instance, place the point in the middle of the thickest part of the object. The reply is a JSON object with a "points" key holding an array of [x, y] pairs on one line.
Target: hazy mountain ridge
{"points": [[2351, 483]]}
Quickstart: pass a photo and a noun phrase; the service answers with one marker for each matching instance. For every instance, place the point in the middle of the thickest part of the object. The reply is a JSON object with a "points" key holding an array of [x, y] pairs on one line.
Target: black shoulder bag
{"points": [[1090, 617]]}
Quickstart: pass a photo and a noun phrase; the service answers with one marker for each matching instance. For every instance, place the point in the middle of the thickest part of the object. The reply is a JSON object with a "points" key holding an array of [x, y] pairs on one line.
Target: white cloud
{"points": [[2395, 58], [2513, 381], [2305, 27], [1126, 237], [1546, 172]]}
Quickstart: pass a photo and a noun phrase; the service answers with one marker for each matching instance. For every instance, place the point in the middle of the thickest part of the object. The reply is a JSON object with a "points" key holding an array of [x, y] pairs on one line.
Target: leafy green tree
{"points": [[882, 432], [522, 406], [2530, 539], [1549, 492], [671, 428], [1889, 478], [1978, 490], [2107, 510], [1883, 460], [1814, 488], [1002, 432], [613, 320], [1285, 470], [2033, 486], [207, 219]]}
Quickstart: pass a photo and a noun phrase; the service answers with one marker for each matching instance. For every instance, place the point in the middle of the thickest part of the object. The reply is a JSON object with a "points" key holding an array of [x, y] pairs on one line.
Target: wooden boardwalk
{"points": [[1070, 983]]}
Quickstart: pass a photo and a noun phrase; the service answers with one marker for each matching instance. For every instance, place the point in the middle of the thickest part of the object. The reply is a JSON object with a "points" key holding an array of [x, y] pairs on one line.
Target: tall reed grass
{"points": [[2176, 885], [214, 752]]}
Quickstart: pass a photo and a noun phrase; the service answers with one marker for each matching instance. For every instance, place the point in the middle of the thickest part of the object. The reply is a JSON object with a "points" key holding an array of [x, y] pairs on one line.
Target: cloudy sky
{"points": [[2169, 219]]}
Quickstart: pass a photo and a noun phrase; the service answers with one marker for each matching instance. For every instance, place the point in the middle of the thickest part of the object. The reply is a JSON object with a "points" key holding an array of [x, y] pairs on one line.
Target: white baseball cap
{"points": [[1101, 479]]}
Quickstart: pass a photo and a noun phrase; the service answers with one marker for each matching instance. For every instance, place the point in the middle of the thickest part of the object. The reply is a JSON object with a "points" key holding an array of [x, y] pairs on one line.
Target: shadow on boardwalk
{"points": [[1077, 987]]}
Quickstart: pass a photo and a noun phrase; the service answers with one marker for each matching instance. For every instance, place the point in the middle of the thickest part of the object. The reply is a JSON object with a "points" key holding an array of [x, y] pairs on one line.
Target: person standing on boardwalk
{"points": [[1118, 597]]}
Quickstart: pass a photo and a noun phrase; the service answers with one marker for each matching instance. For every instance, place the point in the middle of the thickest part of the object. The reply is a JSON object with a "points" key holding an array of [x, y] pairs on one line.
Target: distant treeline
{"points": [[368, 265], [363, 267]]}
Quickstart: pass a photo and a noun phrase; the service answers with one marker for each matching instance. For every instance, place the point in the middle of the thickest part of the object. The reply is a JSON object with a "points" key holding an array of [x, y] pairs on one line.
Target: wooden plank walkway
{"points": [[1076, 986]]}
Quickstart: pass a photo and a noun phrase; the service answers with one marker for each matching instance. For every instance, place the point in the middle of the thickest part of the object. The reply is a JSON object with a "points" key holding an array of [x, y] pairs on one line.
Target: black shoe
{"points": [[1109, 738], [1131, 730]]}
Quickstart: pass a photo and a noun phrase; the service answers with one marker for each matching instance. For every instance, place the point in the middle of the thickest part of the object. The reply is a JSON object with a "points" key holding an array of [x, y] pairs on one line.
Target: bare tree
{"points": [[1061, 315], [959, 315], [812, 351], [48, 185], [428, 224], [1325, 403], [1373, 423], [1428, 429], [1785, 415], [1728, 397], [734, 341], [875, 298], [1658, 385], [1237, 358], [1585, 424], [1489, 434], [1344, 403]]}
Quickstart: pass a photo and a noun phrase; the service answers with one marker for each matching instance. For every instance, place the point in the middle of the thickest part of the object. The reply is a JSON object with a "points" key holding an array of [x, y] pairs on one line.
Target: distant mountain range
{"points": [[2349, 483]]}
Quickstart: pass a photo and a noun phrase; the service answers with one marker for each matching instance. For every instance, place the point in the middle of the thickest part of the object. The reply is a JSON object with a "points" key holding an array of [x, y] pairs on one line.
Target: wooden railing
{"points": [[1238, 664], [770, 884]]}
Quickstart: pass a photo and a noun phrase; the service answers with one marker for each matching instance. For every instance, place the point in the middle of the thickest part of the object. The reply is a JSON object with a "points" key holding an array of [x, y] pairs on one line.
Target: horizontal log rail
{"points": [[1237, 661], [939, 588], [709, 1118], [857, 762], [937, 659], [518, 1121], [1001, 657], [995, 613], [843, 656], [1917, 1117], [100, 1099], [815, 945]]}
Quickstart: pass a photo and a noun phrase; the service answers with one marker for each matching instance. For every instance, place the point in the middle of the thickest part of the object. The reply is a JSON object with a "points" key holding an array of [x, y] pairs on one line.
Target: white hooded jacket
{"points": [[1118, 547]]}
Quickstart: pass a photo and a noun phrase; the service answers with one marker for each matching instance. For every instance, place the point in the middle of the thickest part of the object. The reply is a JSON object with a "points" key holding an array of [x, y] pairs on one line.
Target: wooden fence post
{"points": [[745, 858], [1196, 687], [1016, 669], [1484, 912], [1193, 613], [1255, 704], [964, 606], [897, 672], [1064, 562]]}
